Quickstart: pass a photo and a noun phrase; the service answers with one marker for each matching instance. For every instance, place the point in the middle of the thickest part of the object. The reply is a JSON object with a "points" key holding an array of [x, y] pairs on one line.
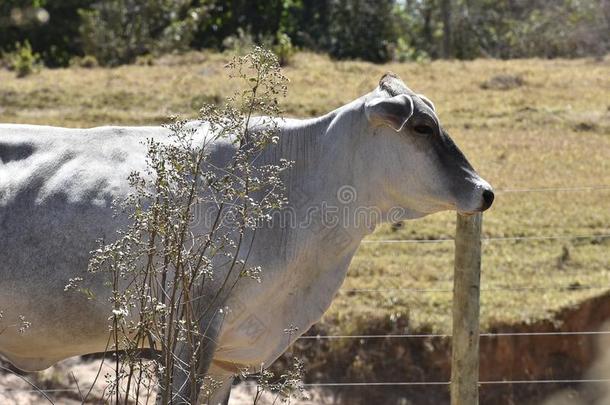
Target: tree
{"points": [[447, 39], [363, 29], [51, 27], [117, 31]]}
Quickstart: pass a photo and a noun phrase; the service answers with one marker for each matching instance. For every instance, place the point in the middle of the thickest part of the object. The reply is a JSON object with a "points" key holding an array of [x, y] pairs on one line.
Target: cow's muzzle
{"points": [[488, 199]]}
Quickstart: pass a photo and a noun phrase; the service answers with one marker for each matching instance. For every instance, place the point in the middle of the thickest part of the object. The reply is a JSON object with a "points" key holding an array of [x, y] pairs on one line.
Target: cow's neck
{"points": [[330, 210], [329, 173]]}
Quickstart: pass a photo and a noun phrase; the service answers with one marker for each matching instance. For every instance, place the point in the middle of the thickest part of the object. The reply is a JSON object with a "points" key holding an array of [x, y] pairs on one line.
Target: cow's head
{"points": [[417, 163]]}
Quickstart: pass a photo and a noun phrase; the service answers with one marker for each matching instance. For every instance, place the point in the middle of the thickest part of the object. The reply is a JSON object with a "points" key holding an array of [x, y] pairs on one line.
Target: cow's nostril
{"points": [[488, 198]]}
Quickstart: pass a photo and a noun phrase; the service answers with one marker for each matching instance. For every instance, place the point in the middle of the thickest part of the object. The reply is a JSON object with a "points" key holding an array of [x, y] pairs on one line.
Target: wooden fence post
{"points": [[466, 292]]}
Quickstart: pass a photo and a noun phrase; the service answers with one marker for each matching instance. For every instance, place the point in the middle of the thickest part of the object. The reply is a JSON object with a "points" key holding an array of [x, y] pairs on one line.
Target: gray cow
{"points": [[385, 151]]}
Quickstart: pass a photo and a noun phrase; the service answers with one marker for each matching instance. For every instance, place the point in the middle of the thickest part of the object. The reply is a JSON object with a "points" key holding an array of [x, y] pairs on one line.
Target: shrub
{"points": [[118, 31], [158, 245], [241, 43], [145, 60], [503, 82], [363, 29], [403, 52], [51, 27], [23, 60], [87, 61], [283, 48]]}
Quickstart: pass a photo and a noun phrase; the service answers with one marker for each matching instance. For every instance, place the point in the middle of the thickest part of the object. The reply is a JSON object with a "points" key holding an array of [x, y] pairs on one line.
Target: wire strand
{"points": [[490, 239], [489, 289], [485, 335], [552, 189], [446, 336], [9, 390], [379, 384], [427, 383], [373, 384]]}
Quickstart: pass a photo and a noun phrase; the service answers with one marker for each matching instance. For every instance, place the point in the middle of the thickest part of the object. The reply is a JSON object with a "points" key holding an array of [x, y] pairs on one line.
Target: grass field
{"points": [[549, 129]]}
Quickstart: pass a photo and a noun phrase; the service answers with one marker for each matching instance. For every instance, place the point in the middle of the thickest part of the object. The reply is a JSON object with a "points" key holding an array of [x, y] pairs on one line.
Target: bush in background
{"points": [[283, 48], [243, 43], [240, 43], [522, 29], [567, 28], [50, 26], [87, 62], [23, 60], [118, 31], [363, 29]]}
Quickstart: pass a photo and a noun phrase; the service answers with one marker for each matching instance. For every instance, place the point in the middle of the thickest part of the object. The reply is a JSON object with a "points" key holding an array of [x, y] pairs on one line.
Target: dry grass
{"points": [[553, 130]]}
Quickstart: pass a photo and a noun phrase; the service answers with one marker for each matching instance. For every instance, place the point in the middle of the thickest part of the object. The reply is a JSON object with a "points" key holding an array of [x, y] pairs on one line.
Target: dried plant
{"points": [[161, 267]]}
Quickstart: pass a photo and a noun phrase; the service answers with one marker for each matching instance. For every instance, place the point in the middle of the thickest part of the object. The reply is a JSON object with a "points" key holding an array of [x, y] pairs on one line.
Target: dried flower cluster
{"points": [[161, 263]]}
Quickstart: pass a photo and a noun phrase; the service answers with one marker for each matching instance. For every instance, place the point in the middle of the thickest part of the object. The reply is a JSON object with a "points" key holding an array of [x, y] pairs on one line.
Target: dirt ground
{"points": [[68, 382]]}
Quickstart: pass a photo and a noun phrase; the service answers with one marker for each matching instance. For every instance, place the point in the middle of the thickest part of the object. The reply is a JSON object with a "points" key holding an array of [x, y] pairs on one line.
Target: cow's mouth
{"points": [[485, 205]]}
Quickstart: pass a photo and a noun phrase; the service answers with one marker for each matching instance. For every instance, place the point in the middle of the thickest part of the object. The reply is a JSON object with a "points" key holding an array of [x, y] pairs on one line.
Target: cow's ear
{"points": [[393, 112], [427, 101]]}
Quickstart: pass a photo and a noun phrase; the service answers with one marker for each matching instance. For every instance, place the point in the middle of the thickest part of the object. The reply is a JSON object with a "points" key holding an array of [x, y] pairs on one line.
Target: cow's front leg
{"points": [[185, 388], [220, 392]]}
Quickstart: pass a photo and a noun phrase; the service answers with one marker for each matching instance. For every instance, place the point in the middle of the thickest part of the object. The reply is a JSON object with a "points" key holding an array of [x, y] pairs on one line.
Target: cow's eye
{"points": [[423, 129]]}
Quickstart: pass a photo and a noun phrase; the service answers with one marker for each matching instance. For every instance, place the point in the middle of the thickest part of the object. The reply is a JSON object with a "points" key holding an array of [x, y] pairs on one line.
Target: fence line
{"points": [[424, 383], [590, 380], [490, 289], [9, 390], [552, 189], [491, 239], [368, 384], [372, 384], [446, 336]]}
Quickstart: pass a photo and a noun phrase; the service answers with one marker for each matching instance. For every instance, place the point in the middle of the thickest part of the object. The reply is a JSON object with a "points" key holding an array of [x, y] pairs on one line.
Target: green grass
{"points": [[553, 131]]}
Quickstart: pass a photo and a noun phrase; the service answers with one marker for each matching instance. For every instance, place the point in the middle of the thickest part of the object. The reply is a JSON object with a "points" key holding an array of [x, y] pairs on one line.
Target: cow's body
{"points": [[56, 188]]}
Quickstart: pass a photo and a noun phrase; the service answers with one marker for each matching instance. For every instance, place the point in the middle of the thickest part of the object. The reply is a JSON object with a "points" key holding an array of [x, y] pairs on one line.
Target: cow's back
{"points": [[57, 188]]}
